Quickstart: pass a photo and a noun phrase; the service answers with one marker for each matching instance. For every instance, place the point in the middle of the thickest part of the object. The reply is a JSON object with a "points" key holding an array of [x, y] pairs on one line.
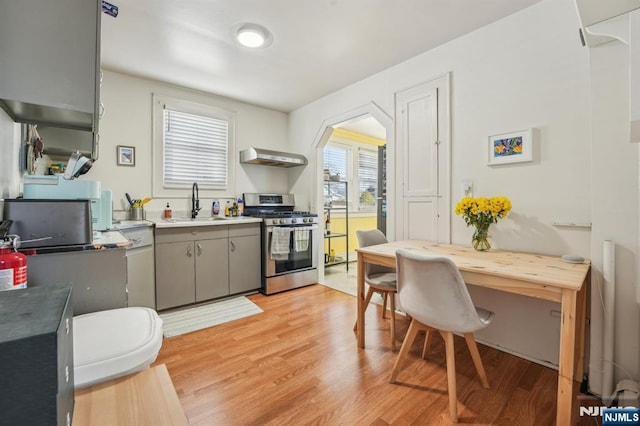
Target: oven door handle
{"points": [[309, 227]]}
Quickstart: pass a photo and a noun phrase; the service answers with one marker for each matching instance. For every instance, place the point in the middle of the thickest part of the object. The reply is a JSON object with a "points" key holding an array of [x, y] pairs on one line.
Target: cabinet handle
{"points": [[233, 245], [189, 253], [199, 247], [66, 325], [66, 374]]}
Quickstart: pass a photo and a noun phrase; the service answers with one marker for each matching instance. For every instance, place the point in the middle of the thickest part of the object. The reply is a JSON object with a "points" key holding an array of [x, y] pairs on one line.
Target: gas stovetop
{"points": [[276, 209]]}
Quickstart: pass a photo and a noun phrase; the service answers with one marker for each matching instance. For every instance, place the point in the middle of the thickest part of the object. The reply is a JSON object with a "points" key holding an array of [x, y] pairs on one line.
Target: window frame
{"points": [[159, 103]]}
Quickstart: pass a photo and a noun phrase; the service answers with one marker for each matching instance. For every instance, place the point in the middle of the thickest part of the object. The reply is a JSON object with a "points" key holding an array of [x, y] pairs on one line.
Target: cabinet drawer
{"points": [[244, 229], [173, 235]]}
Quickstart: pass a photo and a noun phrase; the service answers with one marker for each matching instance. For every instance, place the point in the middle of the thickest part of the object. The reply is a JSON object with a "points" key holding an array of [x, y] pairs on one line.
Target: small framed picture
{"points": [[126, 155], [514, 147]]}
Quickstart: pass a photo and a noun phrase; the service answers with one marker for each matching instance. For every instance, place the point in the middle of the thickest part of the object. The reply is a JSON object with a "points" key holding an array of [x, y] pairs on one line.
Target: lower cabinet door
{"points": [[212, 269], [175, 274], [244, 263]]}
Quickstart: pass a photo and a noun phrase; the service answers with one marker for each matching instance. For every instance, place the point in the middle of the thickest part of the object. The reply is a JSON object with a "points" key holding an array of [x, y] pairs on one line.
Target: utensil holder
{"points": [[136, 213]]}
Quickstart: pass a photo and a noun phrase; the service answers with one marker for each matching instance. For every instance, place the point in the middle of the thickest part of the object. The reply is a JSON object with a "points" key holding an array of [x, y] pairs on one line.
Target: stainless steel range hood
{"points": [[267, 157]]}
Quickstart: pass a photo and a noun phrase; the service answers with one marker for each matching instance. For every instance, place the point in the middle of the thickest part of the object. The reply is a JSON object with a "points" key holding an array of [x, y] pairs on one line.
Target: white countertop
{"points": [[111, 238], [205, 221], [126, 224]]}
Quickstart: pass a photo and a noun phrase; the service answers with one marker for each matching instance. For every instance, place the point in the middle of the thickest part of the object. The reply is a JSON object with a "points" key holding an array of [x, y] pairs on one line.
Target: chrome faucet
{"points": [[195, 200]]}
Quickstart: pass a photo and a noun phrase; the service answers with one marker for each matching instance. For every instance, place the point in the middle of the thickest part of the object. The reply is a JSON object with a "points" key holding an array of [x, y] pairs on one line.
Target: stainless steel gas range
{"points": [[289, 242]]}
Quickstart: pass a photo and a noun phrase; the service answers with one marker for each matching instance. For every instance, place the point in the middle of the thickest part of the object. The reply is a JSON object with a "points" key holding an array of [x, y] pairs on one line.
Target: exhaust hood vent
{"points": [[266, 157]]}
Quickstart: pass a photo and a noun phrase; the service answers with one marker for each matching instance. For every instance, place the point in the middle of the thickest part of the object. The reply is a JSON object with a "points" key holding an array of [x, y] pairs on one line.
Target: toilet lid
{"points": [[111, 343]]}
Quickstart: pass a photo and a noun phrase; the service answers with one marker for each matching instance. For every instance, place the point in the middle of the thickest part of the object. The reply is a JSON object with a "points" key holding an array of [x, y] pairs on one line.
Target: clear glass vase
{"points": [[480, 239]]}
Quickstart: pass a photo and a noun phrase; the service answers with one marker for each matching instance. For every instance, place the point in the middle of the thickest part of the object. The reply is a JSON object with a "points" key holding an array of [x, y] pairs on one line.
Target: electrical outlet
{"points": [[467, 188]]}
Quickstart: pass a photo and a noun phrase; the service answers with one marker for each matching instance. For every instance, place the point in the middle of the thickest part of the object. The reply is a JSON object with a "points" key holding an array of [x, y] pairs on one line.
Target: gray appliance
{"points": [[47, 223], [267, 157], [381, 199], [298, 267], [141, 287]]}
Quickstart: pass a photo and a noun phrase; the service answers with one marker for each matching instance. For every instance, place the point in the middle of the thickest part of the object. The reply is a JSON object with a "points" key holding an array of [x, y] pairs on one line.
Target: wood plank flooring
{"points": [[298, 363]]}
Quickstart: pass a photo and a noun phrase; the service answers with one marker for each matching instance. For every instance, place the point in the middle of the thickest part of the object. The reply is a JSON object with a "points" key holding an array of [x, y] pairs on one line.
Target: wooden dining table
{"points": [[533, 275]]}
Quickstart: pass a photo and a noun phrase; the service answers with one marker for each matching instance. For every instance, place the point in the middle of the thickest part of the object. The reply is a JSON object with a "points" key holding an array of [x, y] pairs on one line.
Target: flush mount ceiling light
{"points": [[252, 35]]}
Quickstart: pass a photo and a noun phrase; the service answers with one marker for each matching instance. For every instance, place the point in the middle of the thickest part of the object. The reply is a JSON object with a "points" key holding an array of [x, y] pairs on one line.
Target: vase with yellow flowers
{"points": [[481, 212]]}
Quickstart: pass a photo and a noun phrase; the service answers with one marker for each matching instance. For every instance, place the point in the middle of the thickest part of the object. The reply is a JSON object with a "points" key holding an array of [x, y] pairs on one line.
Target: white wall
{"points": [[614, 205], [9, 157], [128, 121], [527, 70]]}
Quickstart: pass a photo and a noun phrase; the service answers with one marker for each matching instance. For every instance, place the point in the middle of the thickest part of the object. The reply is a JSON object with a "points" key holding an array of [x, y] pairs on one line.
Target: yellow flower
{"points": [[483, 211]]}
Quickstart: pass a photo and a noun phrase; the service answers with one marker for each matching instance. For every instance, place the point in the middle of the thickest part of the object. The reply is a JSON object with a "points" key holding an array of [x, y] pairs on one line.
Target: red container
{"points": [[13, 269]]}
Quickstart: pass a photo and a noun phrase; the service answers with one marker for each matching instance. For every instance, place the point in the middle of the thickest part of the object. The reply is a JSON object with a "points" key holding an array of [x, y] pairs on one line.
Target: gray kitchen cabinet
{"points": [[175, 274], [212, 269], [244, 260], [202, 263], [141, 283], [50, 64], [98, 277]]}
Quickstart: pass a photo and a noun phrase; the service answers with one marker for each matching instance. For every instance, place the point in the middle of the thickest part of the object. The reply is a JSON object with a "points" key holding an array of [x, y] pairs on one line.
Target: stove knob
{"points": [[281, 221], [294, 220]]}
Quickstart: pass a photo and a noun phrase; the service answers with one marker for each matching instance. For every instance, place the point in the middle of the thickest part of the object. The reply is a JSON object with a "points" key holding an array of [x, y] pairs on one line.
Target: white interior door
{"points": [[422, 127], [419, 127]]}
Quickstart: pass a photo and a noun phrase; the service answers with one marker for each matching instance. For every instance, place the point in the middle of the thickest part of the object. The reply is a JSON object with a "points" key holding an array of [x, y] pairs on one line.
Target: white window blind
{"points": [[336, 159], [196, 149], [367, 179]]}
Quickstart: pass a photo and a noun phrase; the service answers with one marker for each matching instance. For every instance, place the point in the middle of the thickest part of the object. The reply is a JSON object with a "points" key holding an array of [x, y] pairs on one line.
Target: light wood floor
{"points": [[297, 363]]}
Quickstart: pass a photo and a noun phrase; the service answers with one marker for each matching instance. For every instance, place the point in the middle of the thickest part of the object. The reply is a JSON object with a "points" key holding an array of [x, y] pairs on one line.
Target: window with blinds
{"points": [[336, 160], [192, 142], [360, 169], [196, 149], [367, 179]]}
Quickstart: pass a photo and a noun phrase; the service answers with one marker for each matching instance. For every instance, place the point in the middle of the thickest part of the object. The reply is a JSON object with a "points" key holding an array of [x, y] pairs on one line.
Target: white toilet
{"points": [[114, 343]]}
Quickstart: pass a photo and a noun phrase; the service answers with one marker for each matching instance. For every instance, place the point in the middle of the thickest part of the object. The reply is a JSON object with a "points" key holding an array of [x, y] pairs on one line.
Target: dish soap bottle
{"points": [[240, 207], [167, 212], [215, 211]]}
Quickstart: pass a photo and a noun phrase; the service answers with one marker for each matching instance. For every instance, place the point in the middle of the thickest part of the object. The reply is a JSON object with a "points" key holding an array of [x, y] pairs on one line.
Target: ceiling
{"points": [[318, 47]]}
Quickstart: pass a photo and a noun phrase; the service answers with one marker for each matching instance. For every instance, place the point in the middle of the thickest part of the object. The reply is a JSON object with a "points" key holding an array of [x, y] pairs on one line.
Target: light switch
{"points": [[467, 188]]}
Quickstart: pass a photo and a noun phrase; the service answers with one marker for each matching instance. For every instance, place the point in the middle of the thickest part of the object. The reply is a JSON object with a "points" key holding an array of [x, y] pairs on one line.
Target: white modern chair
{"points": [[380, 279], [432, 291]]}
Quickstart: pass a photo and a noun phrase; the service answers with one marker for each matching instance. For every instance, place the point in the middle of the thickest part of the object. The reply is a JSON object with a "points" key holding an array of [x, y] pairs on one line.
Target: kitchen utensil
{"points": [[145, 201], [128, 199]]}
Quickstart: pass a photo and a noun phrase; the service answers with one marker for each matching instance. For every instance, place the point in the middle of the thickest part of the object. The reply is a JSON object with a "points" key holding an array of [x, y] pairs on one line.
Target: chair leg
{"points": [[427, 343], [451, 375], [392, 299], [414, 327], [384, 305], [366, 304], [477, 361]]}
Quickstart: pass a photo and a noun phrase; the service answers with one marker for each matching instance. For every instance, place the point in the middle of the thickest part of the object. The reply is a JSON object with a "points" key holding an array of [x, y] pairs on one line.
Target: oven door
{"points": [[302, 250]]}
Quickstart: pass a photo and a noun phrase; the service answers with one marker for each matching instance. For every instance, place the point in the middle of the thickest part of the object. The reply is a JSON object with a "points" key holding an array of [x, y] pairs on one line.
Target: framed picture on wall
{"points": [[126, 155], [514, 147]]}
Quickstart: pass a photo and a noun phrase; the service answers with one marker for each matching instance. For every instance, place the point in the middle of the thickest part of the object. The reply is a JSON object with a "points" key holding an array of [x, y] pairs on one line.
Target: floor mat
{"points": [[191, 319]]}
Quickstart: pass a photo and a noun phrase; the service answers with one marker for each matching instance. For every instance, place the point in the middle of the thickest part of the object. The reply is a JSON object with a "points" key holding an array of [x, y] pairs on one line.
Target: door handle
{"points": [[199, 247], [233, 245], [189, 253]]}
